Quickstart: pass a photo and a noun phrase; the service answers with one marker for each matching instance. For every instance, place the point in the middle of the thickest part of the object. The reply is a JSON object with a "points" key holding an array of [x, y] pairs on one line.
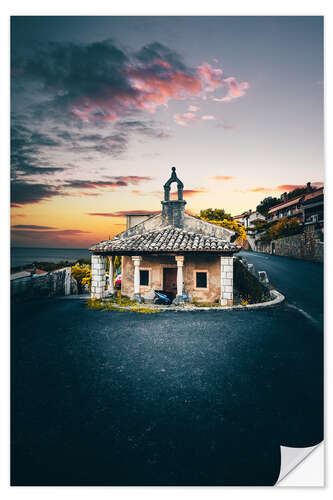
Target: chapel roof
{"points": [[166, 239]]}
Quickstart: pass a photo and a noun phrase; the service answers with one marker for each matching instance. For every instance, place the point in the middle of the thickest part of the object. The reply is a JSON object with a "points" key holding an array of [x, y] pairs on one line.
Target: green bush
{"points": [[284, 227]]}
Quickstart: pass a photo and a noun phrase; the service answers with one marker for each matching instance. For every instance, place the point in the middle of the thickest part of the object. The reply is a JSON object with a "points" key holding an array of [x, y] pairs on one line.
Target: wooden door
{"points": [[170, 279]]}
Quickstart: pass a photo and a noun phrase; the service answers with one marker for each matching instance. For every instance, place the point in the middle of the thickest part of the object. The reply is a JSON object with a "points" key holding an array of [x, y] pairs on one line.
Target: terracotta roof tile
{"points": [[285, 204], [314, 194], [166, 239]]}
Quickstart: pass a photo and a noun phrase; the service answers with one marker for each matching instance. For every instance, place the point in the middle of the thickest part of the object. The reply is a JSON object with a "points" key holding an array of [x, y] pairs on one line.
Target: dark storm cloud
{"points": [[32, 226], [118, 181], [59, 87], [44, 235], [100, 81], [89, 100], [147, 128], [111, 144], [69, 70], [28, 149], [38, 139], [157, 52], [23, 193]]}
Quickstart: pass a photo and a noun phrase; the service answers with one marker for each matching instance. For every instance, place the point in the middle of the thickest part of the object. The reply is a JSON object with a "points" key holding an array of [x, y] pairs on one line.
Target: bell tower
{"points": [[173, 210]]}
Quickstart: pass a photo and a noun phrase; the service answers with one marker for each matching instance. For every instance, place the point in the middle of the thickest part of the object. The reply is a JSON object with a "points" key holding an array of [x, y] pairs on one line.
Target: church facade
{"points": [[171, 251]]}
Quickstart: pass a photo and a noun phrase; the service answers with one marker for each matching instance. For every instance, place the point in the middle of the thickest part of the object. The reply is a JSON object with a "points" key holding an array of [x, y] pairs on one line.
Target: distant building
{"points": [[313, 211], [287, 208], [248, 219], [308, 208]]}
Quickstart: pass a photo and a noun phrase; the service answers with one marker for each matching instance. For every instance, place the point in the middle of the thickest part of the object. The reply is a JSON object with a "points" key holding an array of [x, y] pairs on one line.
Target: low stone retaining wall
{"points": [[55, 283], [304, 246]]}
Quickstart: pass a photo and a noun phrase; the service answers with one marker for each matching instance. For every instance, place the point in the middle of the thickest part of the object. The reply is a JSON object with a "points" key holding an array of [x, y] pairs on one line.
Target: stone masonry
{"points": [[299, 246], [51, 284], [98, 269], [227, 279]]}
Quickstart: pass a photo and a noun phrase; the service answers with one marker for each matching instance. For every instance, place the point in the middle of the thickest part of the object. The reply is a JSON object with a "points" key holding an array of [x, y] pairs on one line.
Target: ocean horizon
{"points": [[23, 256]]}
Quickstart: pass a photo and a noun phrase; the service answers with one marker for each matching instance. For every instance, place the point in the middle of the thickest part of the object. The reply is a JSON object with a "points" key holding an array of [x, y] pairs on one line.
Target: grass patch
{"points": [[95, 304], [121, 304], [122, 301]]}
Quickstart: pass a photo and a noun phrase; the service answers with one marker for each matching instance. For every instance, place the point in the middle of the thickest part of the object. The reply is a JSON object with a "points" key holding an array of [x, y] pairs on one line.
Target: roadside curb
{"points": [[277, 298]]}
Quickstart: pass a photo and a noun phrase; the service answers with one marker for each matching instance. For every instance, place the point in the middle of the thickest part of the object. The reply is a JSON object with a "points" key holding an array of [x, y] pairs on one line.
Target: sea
{"points": [[20, 256]]}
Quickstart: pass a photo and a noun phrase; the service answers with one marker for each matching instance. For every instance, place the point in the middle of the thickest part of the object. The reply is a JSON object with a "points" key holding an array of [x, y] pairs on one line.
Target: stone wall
{"points": [[98, 281], [55, 283], [153, 222], [299, 246], [206, 228], [155, 265]]}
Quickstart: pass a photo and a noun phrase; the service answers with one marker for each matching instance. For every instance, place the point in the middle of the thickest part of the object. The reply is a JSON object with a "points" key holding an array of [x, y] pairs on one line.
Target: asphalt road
{"points": [[109, 398]]}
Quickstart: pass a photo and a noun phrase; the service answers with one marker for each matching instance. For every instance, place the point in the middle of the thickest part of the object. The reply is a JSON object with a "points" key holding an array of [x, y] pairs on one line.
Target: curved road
{"points": [[204, 398], [300, 281]]}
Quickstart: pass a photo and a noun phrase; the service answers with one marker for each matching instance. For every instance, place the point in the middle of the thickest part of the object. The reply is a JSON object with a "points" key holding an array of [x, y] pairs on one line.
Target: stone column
{"points": [[179, 298], [136, 295], [67, 281], [98, 278], [227, 281], [110, 285]]}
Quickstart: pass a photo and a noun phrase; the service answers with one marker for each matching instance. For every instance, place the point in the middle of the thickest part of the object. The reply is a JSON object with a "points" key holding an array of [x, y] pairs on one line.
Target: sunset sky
{"points": [[103, 107]]}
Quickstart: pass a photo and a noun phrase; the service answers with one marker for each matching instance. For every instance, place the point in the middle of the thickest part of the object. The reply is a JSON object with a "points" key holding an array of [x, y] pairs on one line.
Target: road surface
{"points": [[203, 398]]}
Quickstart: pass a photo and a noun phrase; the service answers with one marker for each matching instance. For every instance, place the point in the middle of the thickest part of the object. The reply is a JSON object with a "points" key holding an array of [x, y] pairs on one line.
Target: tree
{"points": [[230, 224], [284, 227], [215, 214], [82, 274], [266, 204], [299, 192]]}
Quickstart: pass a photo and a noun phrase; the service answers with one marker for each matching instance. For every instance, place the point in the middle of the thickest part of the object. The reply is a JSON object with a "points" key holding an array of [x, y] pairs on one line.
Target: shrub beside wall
{"points": [[247, 288]]}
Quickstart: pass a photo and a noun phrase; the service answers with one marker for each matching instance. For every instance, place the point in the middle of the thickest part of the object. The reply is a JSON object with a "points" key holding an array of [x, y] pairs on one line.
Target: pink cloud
{"points": [[213, 78], [184, 119], [289, 187], [259, 189], [149, 88], [222, 177], [235, 90], [188, 192], [208, 117]]}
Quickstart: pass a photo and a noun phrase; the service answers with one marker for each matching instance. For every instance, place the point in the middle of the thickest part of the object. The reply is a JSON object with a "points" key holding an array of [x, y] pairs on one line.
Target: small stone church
{"points": [[171, 251]]}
